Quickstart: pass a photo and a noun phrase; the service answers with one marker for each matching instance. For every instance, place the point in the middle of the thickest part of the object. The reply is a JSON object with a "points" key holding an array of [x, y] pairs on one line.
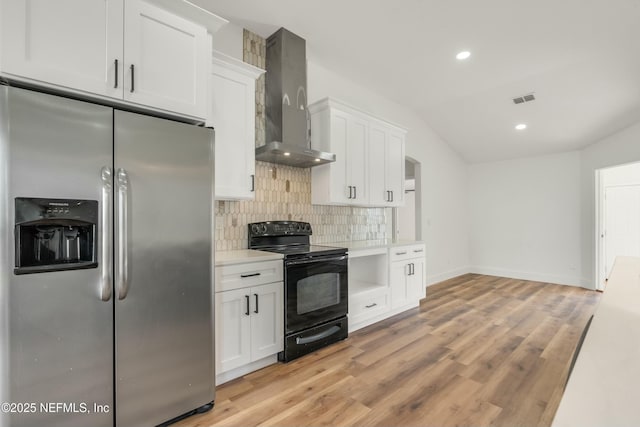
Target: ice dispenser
{"points": [[55, 234]]}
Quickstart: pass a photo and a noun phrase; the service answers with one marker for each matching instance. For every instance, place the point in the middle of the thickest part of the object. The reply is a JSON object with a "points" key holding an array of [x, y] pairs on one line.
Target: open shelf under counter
{"points": [[368, 269], [359, 287]]}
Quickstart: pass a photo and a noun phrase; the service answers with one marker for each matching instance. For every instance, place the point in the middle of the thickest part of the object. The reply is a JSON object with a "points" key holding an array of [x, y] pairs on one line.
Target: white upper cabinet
{"points": [[126, 50], [369, 166], [70, 43], [394, 167], [232, 114], [166, 59]]}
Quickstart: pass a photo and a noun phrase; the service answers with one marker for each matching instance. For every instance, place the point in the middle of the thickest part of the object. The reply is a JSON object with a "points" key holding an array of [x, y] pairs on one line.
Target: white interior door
{"points": [[622, 223]]}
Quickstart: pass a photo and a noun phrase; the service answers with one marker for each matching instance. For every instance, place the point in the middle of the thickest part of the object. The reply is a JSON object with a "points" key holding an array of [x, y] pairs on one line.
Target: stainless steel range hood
{"points": [[288, 124]]}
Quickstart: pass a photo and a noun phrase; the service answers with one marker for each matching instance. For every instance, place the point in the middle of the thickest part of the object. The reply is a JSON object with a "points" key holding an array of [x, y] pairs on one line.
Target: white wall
{"points": [[525, 218], [228, 40], [444, 174]]}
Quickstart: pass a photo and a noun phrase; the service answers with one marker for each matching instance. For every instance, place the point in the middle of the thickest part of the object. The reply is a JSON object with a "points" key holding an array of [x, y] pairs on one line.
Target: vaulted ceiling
{"points": [[581, 58]]}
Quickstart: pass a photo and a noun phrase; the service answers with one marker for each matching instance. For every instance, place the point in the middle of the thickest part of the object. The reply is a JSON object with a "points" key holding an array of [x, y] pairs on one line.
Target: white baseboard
{"points": [[244, 370], [525, 275], [440, 277]]}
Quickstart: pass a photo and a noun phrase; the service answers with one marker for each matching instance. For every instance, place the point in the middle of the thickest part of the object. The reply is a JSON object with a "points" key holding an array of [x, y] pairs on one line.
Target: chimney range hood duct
{"points": [[288, 124]]}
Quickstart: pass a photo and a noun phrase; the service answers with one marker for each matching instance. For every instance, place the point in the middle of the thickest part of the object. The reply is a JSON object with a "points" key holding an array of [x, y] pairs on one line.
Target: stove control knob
{"points": [[298, 227], [264, 228], [307, 227], [254, 228]]}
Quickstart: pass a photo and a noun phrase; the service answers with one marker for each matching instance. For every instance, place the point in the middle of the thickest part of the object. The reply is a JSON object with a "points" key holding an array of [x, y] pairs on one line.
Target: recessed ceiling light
{"points": [[521, 126], [287, 154], [317, 160], [463, 55]]}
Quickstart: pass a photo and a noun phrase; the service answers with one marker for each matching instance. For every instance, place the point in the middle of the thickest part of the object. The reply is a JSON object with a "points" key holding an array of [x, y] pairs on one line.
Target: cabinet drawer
{"points": [[236, 276], [367, 305], [400, 253]]}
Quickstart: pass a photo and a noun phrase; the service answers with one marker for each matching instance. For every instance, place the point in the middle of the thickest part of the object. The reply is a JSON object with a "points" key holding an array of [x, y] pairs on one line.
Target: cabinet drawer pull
{"points": [[401, 253], [244, 276], [418, 250], [371, 305], [253, 183]]}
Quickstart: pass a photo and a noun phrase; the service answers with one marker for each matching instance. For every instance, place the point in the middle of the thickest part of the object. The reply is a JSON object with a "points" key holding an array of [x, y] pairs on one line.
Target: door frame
{"points": [[418, 202], [600, 223]]}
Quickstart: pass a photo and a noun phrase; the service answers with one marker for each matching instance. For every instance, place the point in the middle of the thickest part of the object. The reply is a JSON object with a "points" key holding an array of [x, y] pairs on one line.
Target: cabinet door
{"points": [[357, 138], [233, 117], [338, 134], [398, 282], [233, 329], [267, 317], [394, 168], [71, 43], [167, 63], [416, 280], [378, 192]]}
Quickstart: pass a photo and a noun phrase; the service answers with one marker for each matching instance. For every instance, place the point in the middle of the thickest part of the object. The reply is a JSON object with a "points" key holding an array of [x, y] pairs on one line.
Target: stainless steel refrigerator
{"points": [[106, 302]]}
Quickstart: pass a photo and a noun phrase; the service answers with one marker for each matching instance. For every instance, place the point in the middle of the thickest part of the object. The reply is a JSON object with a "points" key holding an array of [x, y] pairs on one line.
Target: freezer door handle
{"points": [[107, 237], [123, 238]]}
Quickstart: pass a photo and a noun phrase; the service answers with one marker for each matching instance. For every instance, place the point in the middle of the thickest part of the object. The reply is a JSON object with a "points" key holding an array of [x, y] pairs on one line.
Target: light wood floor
{"points": [[480, 351]]}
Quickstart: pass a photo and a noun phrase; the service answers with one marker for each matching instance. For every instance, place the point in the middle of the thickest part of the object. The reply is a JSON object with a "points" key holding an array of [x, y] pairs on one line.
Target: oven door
{"points": [[316, 291]]}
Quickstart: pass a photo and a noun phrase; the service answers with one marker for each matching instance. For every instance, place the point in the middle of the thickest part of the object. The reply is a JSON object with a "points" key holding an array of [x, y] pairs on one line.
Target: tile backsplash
{"points": [[284, 193]]}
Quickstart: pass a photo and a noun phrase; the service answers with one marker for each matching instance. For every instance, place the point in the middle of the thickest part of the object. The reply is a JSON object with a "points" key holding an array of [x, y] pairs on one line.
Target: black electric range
{"points": [[315, 285]]}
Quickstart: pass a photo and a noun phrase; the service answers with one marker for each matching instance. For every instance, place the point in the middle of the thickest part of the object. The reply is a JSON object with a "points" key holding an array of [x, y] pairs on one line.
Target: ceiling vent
{"points": [[524, 98]]}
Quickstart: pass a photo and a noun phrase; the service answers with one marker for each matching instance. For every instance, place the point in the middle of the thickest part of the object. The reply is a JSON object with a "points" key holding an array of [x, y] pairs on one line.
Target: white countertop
{"points": [[243, 256], [603, 388], [372, 244]]}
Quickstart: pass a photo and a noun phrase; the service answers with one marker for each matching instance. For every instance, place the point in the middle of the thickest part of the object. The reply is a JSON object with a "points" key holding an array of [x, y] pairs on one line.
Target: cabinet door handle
{"points": [[244, 276], [253, 183], [418, 250], [391, 195], [371, 305], [133, 80], [115, 85], [401, 253], [355, 192], [350, 192], [246, 297], [256, 310], [413, 269]]}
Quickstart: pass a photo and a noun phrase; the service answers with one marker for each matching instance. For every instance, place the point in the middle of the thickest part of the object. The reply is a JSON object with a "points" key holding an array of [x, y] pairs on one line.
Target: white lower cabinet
{"points": [[249, 320], [384, 282], [406, 278]]}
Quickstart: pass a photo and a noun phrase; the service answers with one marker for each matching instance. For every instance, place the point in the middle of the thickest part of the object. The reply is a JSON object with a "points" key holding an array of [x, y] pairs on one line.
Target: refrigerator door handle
{"points": [[106, 246], [123, 238]]}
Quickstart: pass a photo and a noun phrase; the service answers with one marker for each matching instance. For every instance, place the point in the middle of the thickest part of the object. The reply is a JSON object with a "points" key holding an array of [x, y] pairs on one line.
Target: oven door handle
{"points": [[314, 260], [317, 337]]}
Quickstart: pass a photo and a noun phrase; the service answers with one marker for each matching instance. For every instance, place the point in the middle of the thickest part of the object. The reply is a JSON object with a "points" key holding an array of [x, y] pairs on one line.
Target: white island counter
{"points": [[603, 388]]}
